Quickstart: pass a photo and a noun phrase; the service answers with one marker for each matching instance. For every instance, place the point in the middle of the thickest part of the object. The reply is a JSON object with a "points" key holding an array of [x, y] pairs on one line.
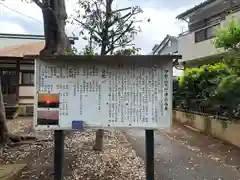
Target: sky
{"points": [[162, 13]]}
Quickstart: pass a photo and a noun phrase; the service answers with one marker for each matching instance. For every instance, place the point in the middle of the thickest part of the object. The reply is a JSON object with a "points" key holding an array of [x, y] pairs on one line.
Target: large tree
{"points": [[108, 30], [54, 18], [228, 38], [56, 42]]}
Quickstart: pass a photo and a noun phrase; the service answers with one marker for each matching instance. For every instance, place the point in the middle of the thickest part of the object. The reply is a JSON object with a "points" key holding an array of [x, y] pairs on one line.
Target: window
{"points": [[8, 81], [197, 24], [209, 33], [27, 78], [200, 35], [205, 34], [169, 43]]}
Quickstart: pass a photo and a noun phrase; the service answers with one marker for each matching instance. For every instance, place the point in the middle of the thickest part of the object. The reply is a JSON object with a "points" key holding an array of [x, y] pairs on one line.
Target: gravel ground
{"points": [[117, 161]]}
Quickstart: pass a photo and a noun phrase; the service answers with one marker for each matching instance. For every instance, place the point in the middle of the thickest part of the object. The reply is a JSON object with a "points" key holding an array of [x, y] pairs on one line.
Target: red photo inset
{"points": [[47, 117], [47, 100]]}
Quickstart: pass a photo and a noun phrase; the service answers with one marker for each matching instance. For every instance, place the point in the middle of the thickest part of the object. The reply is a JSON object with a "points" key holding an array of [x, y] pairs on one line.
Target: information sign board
{"points": [[71, 93]]}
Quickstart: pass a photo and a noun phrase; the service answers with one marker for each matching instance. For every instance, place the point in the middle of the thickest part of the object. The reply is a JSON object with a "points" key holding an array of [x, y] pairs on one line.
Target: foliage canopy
{"points": [[212, 89]]}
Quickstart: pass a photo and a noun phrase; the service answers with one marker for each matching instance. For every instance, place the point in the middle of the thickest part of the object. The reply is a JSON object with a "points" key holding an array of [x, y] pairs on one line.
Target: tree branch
{"points": [[126, 30], [114, 47], [96, 36], [118, 45], [120, 25], [38, 3], [99, 15], [124, 9], [88, 28], [121, 18], [134, 11], [126, 44], [105, 38]]}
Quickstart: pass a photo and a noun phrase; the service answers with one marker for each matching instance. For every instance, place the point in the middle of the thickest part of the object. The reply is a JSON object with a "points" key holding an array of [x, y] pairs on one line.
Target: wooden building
{"points": [[17, 77]]}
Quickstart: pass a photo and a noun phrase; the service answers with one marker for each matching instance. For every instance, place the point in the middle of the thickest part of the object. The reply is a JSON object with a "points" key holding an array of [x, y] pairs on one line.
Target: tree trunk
{"points": [[105, 38], [56, 42], [3, 121], [54, 17], [98, 146], [63, 42]]}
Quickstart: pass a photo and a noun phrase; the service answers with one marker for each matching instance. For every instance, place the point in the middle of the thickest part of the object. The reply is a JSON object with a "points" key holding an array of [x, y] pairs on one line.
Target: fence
{"points": [[227, 131]]}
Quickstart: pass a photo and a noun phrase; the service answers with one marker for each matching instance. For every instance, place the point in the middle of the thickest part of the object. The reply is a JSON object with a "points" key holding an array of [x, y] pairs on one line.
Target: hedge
{"points": [[212, 89]]}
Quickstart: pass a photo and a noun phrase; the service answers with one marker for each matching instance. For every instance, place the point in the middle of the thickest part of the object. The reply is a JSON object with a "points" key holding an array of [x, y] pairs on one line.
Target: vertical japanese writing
{"points": [[81, 99], [165, 85], [99, 96], [125, 94], [110, 96]]}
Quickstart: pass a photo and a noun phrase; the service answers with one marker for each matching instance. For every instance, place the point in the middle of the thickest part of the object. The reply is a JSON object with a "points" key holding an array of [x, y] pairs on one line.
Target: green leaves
{"points": [[228, 37], [215, 89], [228, 91], [105, 27], [230, 84], [87, 50], [128, 51], [212, 89]]}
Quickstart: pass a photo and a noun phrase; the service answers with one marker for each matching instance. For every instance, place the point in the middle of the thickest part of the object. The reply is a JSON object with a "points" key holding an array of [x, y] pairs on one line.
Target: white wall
{"points": [[26, 90], [191, 50], [26, 101]]}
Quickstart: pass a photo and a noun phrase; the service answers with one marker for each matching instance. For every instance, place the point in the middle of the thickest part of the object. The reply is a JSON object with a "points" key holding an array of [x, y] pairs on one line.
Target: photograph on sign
{"points": [[132, 95], [48, 100], [47, 117]]}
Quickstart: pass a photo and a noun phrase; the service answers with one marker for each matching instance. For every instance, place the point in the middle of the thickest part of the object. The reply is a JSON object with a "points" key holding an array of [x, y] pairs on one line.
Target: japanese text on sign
{"points": [[102, 96]]}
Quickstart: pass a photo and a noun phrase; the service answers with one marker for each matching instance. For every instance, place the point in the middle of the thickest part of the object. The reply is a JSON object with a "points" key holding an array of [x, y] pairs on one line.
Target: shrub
{"points": [[214, 89], [228, 91], [228, 38], [208, 89]]}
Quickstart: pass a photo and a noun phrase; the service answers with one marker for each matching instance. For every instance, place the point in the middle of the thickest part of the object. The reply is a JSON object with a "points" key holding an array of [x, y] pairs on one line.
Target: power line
{"points": [[30, 17], [20, 13]]}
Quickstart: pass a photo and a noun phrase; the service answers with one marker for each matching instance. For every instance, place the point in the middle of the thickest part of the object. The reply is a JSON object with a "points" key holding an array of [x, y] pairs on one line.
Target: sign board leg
{"points": [[149, 138], [58, 154]]}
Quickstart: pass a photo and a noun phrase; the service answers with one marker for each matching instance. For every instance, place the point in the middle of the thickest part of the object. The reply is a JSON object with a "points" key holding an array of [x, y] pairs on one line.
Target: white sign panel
{"points": [[69, 93]]}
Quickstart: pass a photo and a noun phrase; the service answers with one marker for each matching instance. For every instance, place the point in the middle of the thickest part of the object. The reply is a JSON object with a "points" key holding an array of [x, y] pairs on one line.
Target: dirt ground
{"points": [[83, 163], [80, 161]]}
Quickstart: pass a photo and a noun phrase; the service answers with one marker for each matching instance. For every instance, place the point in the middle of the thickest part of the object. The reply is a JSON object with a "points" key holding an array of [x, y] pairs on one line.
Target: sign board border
{"points": [[107, 61]]}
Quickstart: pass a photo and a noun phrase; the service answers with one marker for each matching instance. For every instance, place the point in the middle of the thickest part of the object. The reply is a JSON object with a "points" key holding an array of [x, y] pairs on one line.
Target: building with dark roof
{"points": [[196, 45], [17, 74], [169, 45]]}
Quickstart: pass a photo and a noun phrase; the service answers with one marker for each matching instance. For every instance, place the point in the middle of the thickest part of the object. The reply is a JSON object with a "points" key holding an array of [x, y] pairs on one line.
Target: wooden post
{"points": [[149, 138]]}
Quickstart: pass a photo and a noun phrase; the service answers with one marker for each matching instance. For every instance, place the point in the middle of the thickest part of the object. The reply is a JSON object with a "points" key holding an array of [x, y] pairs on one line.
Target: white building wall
{"points": [[191, 50]]}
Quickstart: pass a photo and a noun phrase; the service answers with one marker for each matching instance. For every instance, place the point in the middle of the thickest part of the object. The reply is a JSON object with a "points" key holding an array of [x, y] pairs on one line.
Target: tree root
{"points": [[11, 144], [18, 138], [10, 139]]}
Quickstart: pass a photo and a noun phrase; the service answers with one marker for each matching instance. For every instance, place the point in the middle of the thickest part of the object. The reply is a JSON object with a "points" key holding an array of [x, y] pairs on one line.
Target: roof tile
{"points": [[23, 49]]}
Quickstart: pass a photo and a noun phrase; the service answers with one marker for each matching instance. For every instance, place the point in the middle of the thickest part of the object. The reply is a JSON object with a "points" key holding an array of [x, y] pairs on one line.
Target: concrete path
{"points": [[176, 161]]}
